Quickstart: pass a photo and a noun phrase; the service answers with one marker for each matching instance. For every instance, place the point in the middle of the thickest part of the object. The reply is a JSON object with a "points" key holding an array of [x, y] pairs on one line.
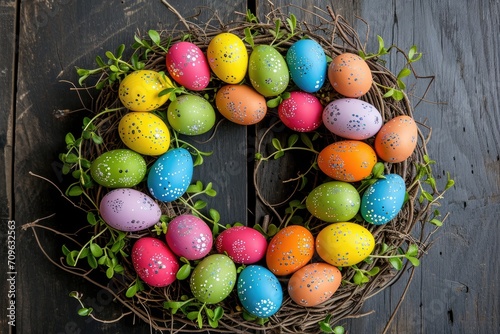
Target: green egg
{"points": [[268, 71], [191, 115], [334, 201], [213, 279], [120, 168]]}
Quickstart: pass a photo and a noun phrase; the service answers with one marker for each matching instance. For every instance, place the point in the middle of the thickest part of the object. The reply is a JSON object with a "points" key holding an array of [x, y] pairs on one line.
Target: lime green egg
{"points": [[334, 201], [191, 115], [268, 71], [121, 168]]}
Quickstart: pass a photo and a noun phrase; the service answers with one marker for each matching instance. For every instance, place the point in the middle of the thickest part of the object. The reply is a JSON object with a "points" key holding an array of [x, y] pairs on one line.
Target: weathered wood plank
{"points": [[55, 37]]}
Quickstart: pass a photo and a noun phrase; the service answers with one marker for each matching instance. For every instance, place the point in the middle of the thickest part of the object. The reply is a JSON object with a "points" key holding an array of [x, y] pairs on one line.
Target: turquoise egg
{"points": [[306, 61], [382, 201]]}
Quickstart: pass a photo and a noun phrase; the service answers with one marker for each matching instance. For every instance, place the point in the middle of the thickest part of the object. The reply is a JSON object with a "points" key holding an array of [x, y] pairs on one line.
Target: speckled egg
{"points": [[213, 279], [268, 71], [397, 139], [382, 201], [289, 250], [242, 244], [333, 201], [314, 284], [188, 66], [170, 175], [344, 244], [350, 75], [307, 63], [241, 104], [347, 160], [120, 168], [228, 58], [144, 133], [189, 236], [127, 209], [259, 291], [301, 112], [352, 118], [191, 115], [154, 262]]}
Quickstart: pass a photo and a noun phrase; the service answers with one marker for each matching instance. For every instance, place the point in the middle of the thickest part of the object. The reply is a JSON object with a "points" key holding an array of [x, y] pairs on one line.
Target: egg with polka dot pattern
{"points": [[227, 57], [352, 118], [154, 262], [307, 63], [127, 209], [350, 75], [170, 175], [120, 168], [397, 139], [333, 201], [344, 244], [189, 236], [301, 112], [242, 244], [191, 115], [382, 201], [268, 71], [144, 133], [259, 291], [188, 66], [213, 279], [241, 104]]}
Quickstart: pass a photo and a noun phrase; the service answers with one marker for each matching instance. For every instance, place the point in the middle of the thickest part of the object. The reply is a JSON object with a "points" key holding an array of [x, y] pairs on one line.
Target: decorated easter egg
{"points": [[241, 104], [144, 133], [154, 262], [259, 291], [170, 175], [352, 118], [347, 160], [127, 209], [139, 90], [397, 139], [307, 63], [191, 115], [333, 201], [213, 279], [344, 244], [242, 244], [120, 168], [189, 236], [268, 71], [350, 75], [382, 201], [301, 112], [289, 250], [227, 57], [314, 284], [188, 66]]}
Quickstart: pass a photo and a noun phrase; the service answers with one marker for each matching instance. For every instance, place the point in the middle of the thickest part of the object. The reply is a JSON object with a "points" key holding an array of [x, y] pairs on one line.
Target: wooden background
{"points": [[455, 290]]}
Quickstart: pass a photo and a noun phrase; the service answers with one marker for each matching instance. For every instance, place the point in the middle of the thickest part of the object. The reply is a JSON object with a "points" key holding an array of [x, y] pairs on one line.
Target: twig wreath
{"points": [[397, 243]]}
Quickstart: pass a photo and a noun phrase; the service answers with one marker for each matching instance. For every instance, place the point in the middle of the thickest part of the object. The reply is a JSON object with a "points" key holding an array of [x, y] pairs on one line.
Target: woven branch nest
{"points": [[336, 36]]}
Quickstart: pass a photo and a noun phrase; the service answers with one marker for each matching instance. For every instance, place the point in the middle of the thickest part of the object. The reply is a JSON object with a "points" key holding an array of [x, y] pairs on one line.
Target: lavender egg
{"points": [[129, 210], [189, 236]]}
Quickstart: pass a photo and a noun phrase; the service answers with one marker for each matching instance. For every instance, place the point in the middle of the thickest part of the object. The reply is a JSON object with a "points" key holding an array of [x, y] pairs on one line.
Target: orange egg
{"points": [[350, 75], [289, 250], [241, 104], [314, 284], [347, 160], [397, 139]]}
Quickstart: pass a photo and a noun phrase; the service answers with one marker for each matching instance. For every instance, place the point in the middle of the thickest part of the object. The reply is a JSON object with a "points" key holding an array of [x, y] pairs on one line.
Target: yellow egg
{"points": [[397, 139], [344, 244], [144, 133], [228, 57]]}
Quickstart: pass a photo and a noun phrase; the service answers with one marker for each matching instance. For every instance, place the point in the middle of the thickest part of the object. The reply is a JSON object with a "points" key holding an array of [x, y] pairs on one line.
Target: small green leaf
{"points": [[414, 261], [65, 250], [85, 311], [155, 36], [199, 204], [427, 195], [218, 313], [272, 229], [398, 95], [69, 139], [412, 250], [276, 143], [183, 272], [99, 61], [306, 140], [374, 271], [131, 291], [110, 272], [75, 190], [293, 139], [71, 158], [389, 93], [249, 37], [378, 170], [92, 261], [436, 222], [96, 250], [325, 327], [274, 103], [192, 315], [195, 187], [200, 320], [114, 68], [396, 263], [211, 192], [215, 215], [96, 138], [404, 73], [279, 154]]}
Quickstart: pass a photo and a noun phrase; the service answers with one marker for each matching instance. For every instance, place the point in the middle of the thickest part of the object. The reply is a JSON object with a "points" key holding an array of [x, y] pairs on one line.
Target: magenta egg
{"points": [[154, 262], [189, 236], [301, 112], [188, 66], [242, 244]]}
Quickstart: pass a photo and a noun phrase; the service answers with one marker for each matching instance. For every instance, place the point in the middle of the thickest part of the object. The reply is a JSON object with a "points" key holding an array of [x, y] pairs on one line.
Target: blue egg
{"points": [[383, 200], [170, 175], [307, 64], [259, 291]]}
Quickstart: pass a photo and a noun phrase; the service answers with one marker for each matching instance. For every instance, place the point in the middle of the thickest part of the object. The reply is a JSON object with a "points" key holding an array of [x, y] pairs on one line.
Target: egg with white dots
{"points": [[242, 244], [170, 175], [397, 139], [213, 279], [352, 118], [241, 104], [120, 168], [306, 60], [127, 209], [301, 112], [268, 71], [259, 291], [383, 200], [187, 65], [189, 236], [334, 201], [191, 115]]}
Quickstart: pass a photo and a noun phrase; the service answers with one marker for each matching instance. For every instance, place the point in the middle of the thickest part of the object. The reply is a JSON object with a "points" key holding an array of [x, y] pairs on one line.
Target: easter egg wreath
{"points": [[344, 232]]}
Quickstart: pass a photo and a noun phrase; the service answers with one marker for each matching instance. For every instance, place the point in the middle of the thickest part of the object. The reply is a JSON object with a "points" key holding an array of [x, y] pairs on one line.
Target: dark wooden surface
{"points": [[455, 290]]}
